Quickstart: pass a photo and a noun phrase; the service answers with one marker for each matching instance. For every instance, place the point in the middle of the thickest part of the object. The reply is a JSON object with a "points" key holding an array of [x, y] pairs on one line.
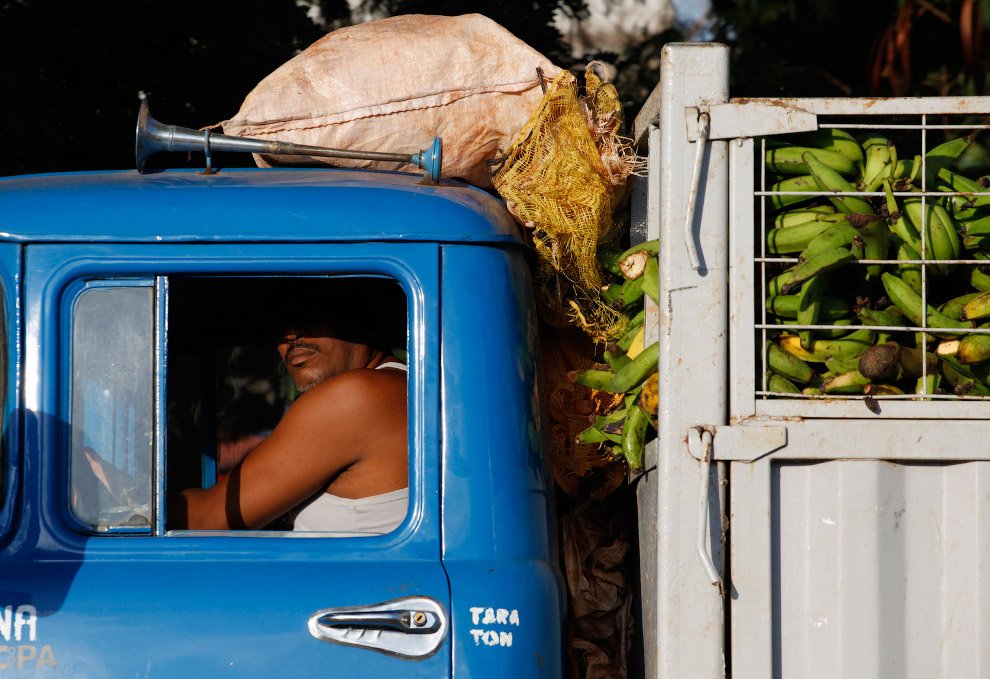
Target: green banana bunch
{"points": [[942, 156], [941, 232], [835, 140], [868, 207], [850, 346], [879, 164], [828, 180], [790, 160], [786, 306], [909, 303]]}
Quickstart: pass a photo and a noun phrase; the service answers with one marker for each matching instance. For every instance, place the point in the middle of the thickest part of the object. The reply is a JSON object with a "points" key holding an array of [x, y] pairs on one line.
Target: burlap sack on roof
{"points": [[394, 84]]}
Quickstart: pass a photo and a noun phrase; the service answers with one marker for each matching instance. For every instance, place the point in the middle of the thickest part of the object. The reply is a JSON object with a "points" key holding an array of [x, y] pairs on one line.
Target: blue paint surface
{"points": [[479, 533], [247, 205]]}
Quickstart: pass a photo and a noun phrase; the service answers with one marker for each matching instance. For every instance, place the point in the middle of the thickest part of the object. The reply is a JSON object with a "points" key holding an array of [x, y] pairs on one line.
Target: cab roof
{"points": [[248, 205]]}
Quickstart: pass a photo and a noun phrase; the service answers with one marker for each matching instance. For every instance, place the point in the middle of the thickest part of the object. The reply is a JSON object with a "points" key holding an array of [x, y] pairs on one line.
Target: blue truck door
{"points": [[130, 599]]}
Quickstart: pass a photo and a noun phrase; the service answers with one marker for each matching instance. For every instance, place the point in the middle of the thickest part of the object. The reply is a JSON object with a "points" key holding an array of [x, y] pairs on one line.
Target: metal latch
{"points": [[740, 118], [749, 118]]}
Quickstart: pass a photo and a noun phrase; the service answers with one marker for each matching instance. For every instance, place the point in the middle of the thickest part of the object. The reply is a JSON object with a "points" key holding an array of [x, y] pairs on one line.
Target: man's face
{"points": [[312, 355]]}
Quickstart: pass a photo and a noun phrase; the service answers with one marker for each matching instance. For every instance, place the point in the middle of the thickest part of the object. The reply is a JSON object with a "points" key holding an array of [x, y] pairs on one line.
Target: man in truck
{"points": [[337, 461]]}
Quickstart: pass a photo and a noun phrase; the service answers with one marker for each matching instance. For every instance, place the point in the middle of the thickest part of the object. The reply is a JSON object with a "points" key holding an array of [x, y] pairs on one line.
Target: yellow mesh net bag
{"points": [[563, 178]]}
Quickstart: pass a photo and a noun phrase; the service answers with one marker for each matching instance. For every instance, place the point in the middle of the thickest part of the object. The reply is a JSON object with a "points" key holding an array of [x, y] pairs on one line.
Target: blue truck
{"points": [[119, 286]]}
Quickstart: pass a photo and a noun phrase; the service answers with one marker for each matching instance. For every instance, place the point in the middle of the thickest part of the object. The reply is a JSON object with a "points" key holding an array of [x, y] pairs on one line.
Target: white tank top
{"points": [[345, 517]]}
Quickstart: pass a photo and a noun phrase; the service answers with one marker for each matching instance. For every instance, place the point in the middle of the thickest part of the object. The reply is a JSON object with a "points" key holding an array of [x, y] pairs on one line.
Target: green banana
{"points": [[976, 308], [964, 385], [801, 215], [779, 384], [876, 155], [809, 305], [941, 157], [832, 139], [611, 417], [800, 183], [973, 348], [928, 385], [953, 308], [634, 437], [795, 238], [981, 243], [977, 225], [594, 435], [978, 371], [637, 371], [850, 346], [940, 232], [786, 365], [820, 263], [600, 380], [631, 329], [616, 357], [608, 256], [909, 302], [790, 160], [851, 382], [876, 245], [976, 278], [840, 328], [630, 294], [836, 235], [899, 224], [909, 272], [831, 181], [651, 279], [786, 306], [962, 205], [890, 317], [651, 246], [842, 365]]}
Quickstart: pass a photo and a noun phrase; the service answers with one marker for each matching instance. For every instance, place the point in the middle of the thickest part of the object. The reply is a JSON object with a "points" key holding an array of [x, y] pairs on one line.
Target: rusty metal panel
{"points": [[880, 569], [876, 105]]}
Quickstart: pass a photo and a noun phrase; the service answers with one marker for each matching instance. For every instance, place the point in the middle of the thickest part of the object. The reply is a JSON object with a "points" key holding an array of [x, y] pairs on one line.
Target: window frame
{"points": [[68, 310], [10, 258], [54, 268]]}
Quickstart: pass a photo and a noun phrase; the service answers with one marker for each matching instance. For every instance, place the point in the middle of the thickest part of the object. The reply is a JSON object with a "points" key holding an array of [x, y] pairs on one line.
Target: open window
{"points": [[219, 388]]}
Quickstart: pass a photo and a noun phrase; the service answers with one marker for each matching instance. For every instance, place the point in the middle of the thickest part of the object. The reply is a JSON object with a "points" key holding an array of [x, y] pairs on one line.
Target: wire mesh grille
{"points": [[944, 268]]}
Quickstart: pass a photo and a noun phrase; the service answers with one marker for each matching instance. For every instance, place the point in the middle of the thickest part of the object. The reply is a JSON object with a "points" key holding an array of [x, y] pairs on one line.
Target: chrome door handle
{"points": [[413, 627], [410, 622]]}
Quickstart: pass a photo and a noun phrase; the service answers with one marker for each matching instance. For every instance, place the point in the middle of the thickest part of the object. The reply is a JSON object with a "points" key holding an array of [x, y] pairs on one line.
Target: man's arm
{"points": [[343, 422]]}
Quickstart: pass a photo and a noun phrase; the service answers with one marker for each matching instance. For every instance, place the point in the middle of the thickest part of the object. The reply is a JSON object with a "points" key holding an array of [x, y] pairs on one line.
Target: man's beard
{"points": [[312, 380]]}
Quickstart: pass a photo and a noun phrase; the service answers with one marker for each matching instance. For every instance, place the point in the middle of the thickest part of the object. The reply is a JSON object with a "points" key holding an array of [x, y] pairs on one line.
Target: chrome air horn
{"points": [[152, 137]]}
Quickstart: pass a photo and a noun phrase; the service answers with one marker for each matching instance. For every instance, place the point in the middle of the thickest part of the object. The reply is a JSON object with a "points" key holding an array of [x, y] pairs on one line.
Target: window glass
{"points": [[3, 396], [112, 418], [228, 388]]}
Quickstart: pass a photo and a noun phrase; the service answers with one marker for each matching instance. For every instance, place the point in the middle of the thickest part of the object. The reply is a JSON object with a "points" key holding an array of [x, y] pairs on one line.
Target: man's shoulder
{"points": [[363, 386]]}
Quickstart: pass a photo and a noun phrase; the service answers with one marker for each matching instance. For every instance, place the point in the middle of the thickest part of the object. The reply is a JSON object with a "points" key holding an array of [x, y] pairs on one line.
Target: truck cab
{"points": [[135, 344]]}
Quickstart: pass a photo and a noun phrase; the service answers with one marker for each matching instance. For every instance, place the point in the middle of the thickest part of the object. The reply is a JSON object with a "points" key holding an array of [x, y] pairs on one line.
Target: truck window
{"points": [[228, 388], [112, 419], [3, 396]]}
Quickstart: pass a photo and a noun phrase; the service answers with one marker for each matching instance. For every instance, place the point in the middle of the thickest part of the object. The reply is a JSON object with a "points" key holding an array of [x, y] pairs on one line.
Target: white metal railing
{"points": [[752, 266]]}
